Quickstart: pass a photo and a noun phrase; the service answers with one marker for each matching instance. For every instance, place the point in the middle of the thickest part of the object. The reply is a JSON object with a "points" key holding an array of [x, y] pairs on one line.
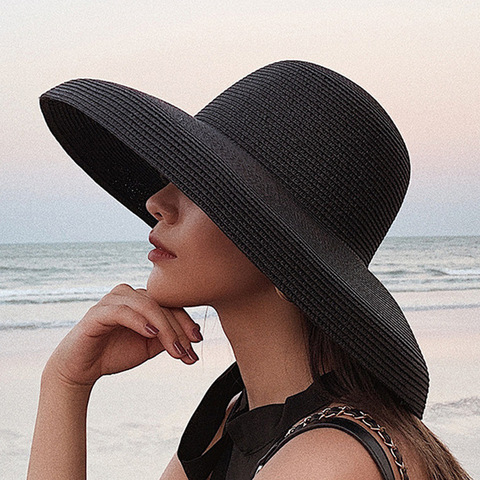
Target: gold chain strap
{"points": [[366, 419]]}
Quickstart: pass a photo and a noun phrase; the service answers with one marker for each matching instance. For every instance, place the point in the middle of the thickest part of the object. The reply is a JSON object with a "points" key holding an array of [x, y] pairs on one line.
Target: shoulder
{"points": [[321, 454]]}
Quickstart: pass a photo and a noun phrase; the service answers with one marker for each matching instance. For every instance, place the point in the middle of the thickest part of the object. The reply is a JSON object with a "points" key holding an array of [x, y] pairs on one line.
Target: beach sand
{"points": [[136, 417]]}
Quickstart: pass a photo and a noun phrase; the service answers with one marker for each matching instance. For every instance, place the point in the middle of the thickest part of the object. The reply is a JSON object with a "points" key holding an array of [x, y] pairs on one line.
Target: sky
{"points": [[419, 59]]}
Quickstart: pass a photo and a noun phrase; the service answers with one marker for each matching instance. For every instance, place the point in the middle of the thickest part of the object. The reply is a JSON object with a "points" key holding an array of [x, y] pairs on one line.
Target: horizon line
{"points": [[146, 240]]}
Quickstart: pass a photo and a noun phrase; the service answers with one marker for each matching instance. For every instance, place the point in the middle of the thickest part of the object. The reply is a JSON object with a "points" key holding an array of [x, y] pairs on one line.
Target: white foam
{"points": [[462, 272]]}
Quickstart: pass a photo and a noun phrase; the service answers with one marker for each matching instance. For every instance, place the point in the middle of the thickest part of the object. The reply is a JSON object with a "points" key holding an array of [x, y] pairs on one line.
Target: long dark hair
{"points": [[352, 384]]}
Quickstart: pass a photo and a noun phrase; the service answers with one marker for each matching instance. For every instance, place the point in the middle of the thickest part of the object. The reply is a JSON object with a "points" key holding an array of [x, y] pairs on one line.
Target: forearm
{"points": [[59, 441]]}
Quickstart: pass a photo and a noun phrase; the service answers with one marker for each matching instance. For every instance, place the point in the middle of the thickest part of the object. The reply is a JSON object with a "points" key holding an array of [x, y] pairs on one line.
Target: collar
{"points": [[251, 430]]}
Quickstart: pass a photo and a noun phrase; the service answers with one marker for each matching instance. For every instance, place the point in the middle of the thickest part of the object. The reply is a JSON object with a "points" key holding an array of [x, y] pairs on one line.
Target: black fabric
{"points": [[350, 427], [205, 422], [248, 434]]}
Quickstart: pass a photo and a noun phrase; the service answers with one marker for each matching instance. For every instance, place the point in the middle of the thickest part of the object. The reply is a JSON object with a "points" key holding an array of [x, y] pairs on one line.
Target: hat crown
{"points": [[327, 140]]}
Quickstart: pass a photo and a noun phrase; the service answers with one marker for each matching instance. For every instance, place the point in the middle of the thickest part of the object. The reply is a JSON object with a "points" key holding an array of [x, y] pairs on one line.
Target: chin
{"points": [[167, 297], [172, 299], [173, 293]]}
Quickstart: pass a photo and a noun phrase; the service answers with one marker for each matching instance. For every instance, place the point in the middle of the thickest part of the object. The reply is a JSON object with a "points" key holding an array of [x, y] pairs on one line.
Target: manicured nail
{"points": [[191, 354], [197, 334], [179, 348], [151, 329]]}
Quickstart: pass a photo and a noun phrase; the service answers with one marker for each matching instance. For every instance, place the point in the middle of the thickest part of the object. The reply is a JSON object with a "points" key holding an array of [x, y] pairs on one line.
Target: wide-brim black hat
{"points": [[299, 166]]}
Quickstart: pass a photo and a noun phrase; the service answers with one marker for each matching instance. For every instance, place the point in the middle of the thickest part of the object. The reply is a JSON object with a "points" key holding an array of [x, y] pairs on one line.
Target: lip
{"points": [[156, 255], [159, 247]]}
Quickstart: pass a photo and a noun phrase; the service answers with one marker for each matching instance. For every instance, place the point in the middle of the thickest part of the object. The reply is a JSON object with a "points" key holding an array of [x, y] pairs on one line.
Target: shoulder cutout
{"points": [[321, 454], [219, 433]]}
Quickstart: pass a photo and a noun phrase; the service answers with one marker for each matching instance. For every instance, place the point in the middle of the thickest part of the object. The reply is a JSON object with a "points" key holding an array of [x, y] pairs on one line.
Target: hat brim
{"points": [[133, 144]]}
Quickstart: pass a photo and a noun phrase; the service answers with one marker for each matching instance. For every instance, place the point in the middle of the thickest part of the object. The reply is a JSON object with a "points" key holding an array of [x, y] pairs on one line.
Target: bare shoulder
{"points": [[174, 470], [321, 454]]}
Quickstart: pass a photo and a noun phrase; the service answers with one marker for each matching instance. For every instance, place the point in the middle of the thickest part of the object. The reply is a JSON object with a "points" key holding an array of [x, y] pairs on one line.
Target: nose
{"points": [[164, 204]]}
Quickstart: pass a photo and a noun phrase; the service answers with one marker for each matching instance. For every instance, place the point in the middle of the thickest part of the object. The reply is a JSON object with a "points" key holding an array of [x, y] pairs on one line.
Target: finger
{"points": [[122, 289], [191, 328], [182, 337], [160, 321], [108, 316]]}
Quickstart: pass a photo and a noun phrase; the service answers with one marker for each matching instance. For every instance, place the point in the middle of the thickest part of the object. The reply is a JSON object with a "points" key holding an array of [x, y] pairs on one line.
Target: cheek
{"points": [[221, 266], [209, 268]]}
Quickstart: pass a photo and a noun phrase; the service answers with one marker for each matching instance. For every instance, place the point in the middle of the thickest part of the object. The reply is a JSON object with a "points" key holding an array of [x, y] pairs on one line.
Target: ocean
{"points": [[35, 278], [46, 288]]}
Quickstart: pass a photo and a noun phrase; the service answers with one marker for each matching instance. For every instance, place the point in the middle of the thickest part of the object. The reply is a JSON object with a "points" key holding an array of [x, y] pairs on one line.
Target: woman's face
{"points": [[208, 268]]}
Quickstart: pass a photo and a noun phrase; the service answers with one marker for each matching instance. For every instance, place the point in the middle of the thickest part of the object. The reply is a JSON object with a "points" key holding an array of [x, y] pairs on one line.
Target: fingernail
{"points": [[179, 348], [197, 334], [191, 354], [151, 329]]}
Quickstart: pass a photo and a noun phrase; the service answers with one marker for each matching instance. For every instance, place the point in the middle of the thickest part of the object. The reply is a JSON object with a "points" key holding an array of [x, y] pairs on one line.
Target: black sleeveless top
{"points": [[248, 434]]}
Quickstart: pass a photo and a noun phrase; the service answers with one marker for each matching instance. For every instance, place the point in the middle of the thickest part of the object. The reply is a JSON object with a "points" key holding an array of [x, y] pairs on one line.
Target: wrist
{"points": [[53, 379]]}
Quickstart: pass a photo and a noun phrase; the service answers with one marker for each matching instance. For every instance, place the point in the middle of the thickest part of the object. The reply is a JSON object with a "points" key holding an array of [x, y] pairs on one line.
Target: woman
{"points": [[267, 205]]}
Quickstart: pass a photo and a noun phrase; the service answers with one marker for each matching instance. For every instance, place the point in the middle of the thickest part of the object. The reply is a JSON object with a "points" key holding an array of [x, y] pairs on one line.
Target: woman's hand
{"points": [[124, 329]]}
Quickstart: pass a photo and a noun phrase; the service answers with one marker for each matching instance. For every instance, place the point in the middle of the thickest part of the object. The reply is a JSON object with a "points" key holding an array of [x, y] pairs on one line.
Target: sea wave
{"points": [[469, 406], [42, 301], [55, 295], [468, 272], [35, 325], [32, 268], [447, 306], [453, 272], [406, 287]]}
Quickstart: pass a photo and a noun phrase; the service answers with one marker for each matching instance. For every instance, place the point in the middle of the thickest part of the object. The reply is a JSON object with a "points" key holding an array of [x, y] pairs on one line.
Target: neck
{"points": [[266, 336]]}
